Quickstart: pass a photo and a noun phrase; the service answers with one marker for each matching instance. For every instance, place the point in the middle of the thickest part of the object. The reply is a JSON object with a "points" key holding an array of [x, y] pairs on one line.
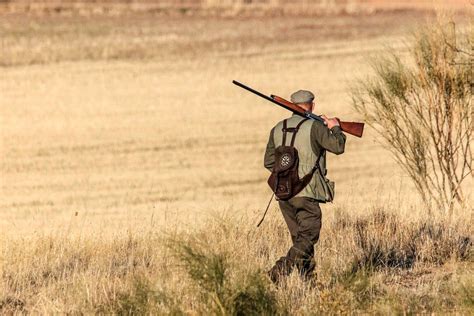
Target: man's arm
{"points": [[269, 159], [332, 140]]}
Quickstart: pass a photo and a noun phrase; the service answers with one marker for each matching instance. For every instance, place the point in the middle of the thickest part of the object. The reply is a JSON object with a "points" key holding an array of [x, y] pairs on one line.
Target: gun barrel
{"points": [[253, 91], [267, 98]]}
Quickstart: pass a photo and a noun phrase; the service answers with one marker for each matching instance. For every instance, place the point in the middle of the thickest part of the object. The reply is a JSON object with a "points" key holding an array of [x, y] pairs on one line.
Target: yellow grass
{"points": [[119, 136]]}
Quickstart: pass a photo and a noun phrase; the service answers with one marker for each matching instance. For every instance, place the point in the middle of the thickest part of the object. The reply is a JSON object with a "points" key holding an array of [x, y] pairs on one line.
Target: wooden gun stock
{"points": [[353, 128]]}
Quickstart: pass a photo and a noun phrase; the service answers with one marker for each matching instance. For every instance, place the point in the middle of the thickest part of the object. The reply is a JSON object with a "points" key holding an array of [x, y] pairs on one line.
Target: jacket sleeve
{"points": [[269, 159], [332, 140]]}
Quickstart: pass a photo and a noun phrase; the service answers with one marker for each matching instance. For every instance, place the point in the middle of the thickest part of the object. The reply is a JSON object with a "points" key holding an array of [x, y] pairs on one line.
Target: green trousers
{"points": [[303, 217]]}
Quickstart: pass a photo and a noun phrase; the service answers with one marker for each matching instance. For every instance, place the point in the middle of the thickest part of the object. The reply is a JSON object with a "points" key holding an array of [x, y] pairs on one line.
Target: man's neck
{"points": [[305, 107]]}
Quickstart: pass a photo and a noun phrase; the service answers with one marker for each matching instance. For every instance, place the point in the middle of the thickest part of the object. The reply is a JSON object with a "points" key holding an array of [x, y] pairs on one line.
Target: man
{"points": [[302, 213]]}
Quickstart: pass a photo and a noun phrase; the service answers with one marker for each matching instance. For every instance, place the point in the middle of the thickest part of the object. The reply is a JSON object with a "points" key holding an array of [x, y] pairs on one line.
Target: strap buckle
{"points": [[290, 129]]}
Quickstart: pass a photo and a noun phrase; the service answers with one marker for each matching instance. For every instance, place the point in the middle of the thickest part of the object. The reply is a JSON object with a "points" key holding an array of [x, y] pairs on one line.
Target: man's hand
{"points": [[330, 122]]}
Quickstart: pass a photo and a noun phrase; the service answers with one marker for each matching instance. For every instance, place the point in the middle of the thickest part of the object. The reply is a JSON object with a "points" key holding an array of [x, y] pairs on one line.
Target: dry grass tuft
{"points": [[249, 294], [383, 240]]}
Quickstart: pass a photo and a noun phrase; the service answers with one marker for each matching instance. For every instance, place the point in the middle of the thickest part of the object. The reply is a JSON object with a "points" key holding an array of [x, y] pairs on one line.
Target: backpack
{"points": [[284, 179]]}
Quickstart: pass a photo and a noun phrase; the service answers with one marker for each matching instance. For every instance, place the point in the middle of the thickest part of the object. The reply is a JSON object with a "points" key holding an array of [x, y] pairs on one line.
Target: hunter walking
{"points": [[300, 144]]}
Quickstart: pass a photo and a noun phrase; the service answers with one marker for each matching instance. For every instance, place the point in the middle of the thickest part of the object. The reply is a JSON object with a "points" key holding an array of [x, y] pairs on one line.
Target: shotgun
{"points": [[353, 128]]}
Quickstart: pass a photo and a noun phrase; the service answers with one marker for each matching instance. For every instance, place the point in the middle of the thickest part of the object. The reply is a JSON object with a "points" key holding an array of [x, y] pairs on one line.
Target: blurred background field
{"points": [[223, 7], [119, 123]]}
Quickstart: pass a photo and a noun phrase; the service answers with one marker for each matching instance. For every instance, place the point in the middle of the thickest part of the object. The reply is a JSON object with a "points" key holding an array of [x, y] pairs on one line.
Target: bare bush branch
{"points": [[422, 109]]}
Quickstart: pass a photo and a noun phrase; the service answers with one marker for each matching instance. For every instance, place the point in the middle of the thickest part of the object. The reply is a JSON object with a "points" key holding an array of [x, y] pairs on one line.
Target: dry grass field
{"points": [[132, 171]]}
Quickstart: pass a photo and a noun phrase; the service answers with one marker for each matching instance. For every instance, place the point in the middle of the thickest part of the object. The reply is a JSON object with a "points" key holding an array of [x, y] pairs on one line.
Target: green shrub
{"points": [[421, 107], [249, 295]]}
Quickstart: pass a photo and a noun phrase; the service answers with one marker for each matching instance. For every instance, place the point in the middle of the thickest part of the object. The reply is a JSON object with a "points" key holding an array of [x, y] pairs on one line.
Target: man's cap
{"points": [[302, 96]]}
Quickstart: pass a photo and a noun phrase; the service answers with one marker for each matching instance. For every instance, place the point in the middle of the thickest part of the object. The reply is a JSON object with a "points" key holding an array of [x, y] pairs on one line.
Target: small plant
{"points": [[254, 298], [210, 273], [11, 305], [141, 299], [422, 108], [138, 301]]}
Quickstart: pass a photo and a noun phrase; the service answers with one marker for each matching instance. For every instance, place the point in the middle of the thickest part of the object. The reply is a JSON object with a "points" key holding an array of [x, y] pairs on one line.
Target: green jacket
{"points": [[313, 139]]}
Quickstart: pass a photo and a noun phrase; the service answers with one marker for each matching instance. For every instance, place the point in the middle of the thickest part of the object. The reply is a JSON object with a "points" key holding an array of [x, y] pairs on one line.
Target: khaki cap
{"points": [[302, 96]]}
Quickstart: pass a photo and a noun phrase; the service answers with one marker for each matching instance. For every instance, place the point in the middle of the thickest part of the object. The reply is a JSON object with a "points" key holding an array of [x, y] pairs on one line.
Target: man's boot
{"points": [[308, 271], [280, 270]]}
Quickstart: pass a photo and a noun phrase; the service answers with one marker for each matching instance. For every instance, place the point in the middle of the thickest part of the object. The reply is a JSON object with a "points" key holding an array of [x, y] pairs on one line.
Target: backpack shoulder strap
{"points": [[284, 133], [296, 131]]}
